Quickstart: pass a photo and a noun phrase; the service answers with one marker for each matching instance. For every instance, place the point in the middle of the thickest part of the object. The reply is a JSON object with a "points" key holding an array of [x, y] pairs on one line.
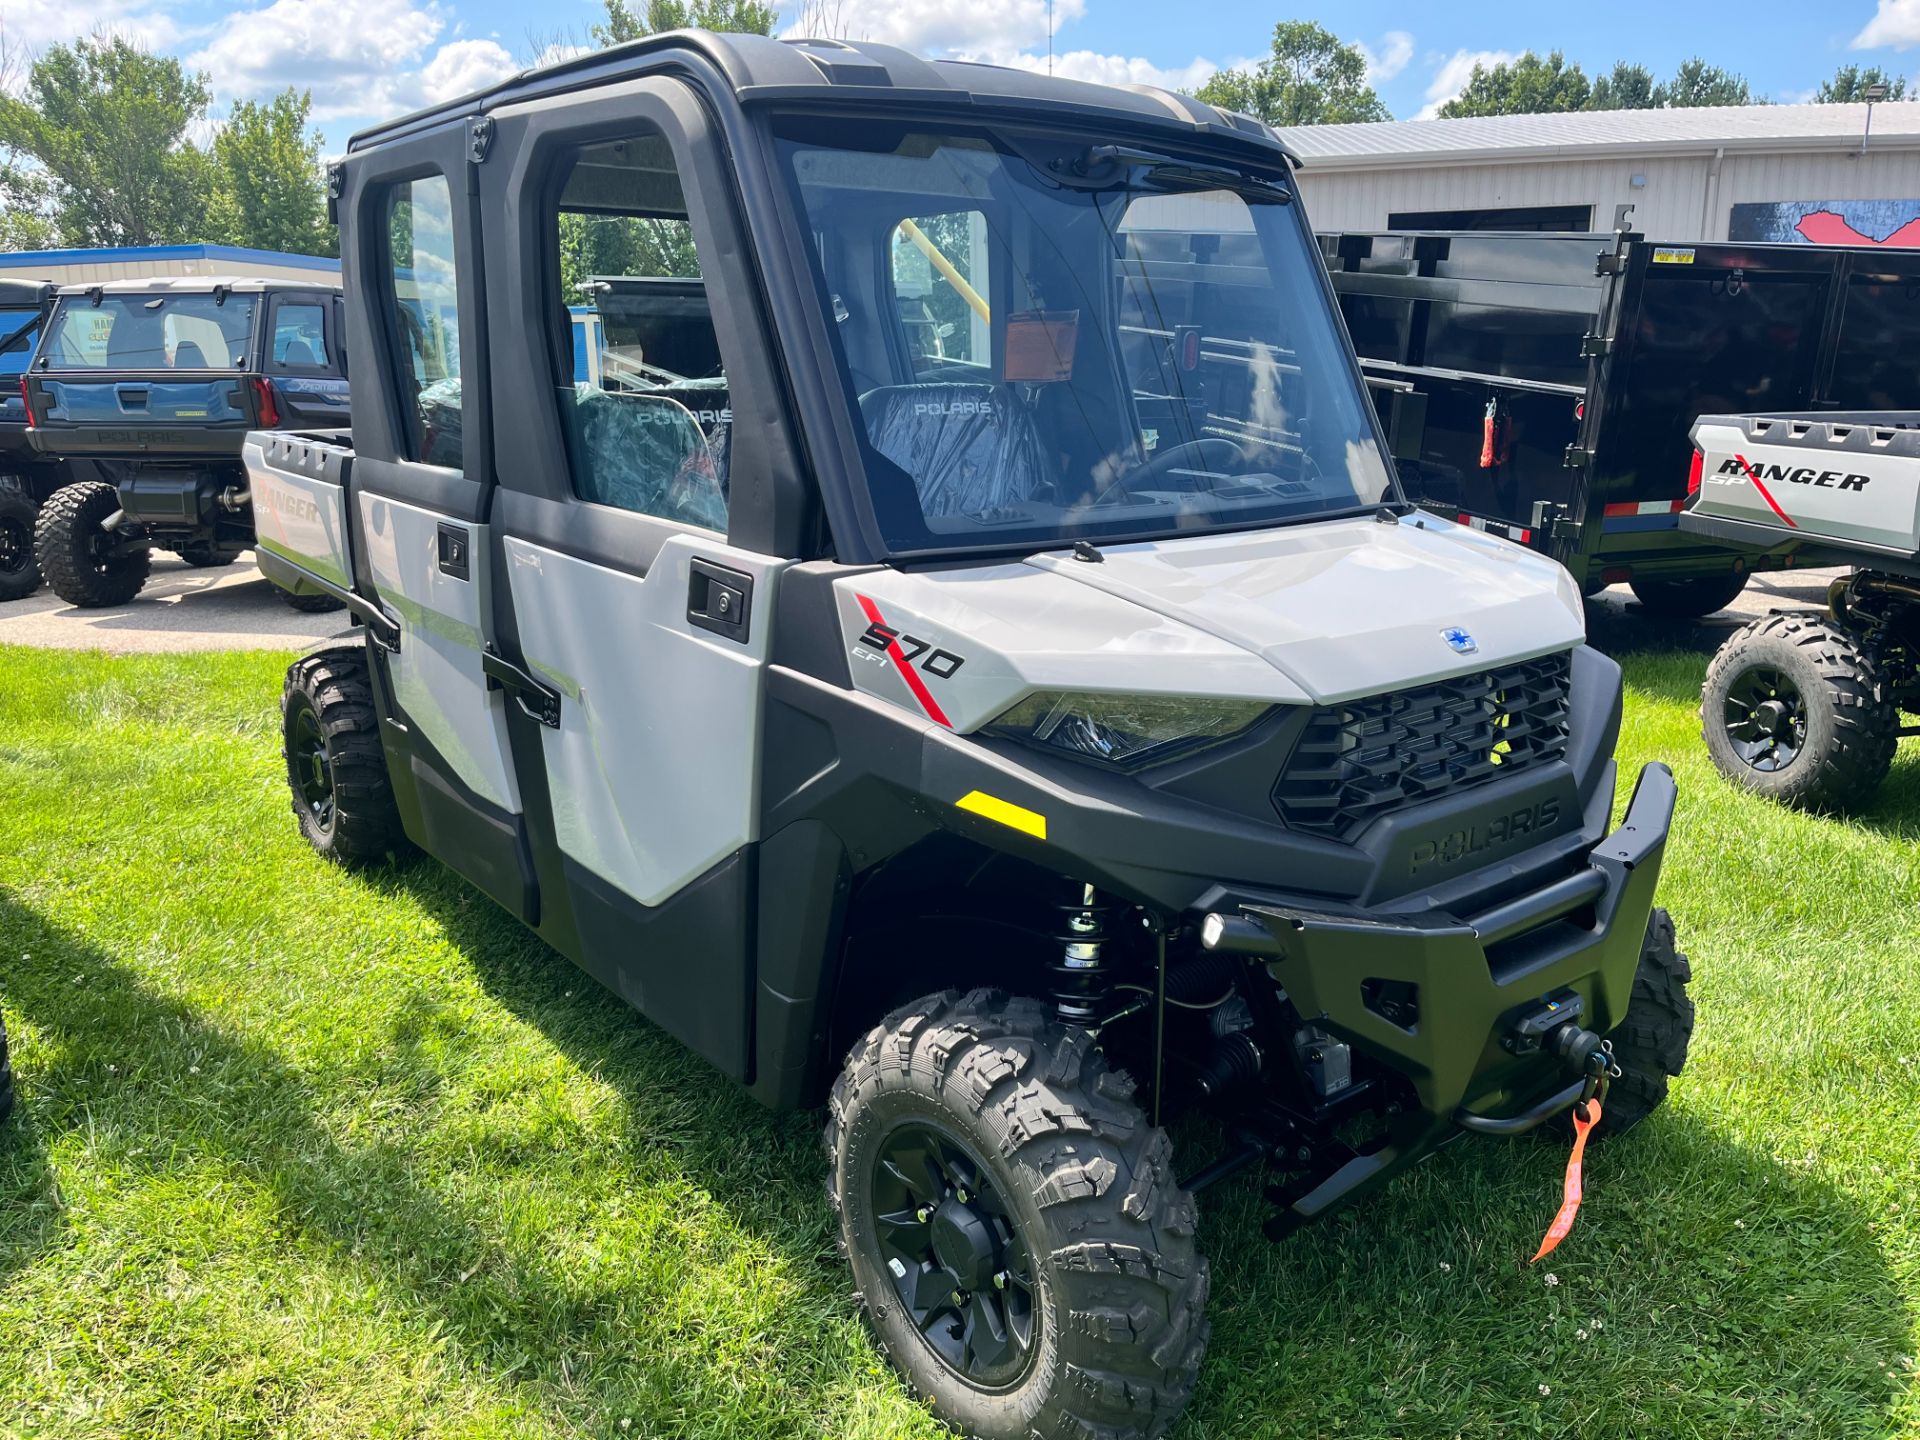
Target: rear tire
{"points": [[311, 604], [204, 554], [336, 767], [1650, 1044], [1690, 598], [19, 571], [1794, 709], [68, 540], [1043, 1172], [6, 1075]]}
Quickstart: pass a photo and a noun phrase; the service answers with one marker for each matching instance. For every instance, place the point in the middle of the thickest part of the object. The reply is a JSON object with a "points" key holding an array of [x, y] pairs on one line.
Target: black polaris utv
{"points": [[157, 382], [27, 478], [1007, 697]]}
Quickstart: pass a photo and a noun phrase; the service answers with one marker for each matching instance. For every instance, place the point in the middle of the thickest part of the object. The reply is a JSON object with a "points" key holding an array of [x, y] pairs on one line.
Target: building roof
{"points": [[196, 285], [116, 255], [1583, 134]]}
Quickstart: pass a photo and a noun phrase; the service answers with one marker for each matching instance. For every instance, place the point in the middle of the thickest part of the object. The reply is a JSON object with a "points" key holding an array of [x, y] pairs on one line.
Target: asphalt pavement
{"points": [[237, 608], [181, 609]]}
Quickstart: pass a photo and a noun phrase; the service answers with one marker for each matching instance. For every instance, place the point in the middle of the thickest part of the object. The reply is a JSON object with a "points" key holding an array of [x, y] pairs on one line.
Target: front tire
{"points": [[1650, 1044], [78, 556], [1793, 709], [336, 766], [1692, 597], [1018, 1241], [19, 571]]}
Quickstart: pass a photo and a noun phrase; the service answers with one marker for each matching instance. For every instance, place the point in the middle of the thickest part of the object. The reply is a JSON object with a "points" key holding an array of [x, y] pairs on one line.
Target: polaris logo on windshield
{"points": [[954, 407], [1732, 472], [1477, 840]]}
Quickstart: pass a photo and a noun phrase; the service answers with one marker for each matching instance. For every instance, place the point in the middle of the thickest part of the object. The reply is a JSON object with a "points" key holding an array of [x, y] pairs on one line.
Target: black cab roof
{"points": [[759, 70]]}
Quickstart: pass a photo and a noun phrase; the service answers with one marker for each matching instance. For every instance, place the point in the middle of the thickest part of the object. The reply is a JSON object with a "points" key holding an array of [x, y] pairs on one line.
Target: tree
{"points": [[744, 17], [1312, 78], [1526, 86], [108, 123], [269, 187], [1625, 87], [25, 222], [1697, 83], [1849, 85]]}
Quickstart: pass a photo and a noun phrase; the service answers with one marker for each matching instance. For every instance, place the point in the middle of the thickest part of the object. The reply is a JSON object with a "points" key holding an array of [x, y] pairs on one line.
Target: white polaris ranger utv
{"points": [[993, 684]]}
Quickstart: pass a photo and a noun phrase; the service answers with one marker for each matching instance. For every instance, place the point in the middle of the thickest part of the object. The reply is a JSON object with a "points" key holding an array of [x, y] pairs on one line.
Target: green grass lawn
{"points": [[309, 1154]]}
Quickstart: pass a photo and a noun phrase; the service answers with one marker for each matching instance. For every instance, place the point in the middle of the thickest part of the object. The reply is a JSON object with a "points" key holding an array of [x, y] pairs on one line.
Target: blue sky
{"points": [[368, 59]]}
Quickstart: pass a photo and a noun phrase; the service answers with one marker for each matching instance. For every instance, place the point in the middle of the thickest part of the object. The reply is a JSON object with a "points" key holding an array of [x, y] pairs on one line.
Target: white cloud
{"points": [[358, 57], [462, 66], [1452, 73], [36, 24], [1393, 56], [1895, 23], [1116, 69]]}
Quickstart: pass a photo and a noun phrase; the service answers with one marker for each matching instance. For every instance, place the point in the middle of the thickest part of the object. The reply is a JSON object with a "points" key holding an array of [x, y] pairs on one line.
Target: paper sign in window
{"points": [[1038, 349]]}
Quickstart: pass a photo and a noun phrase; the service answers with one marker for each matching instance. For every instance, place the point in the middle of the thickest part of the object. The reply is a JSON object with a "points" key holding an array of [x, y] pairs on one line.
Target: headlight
{"points": [[1127, 731]]}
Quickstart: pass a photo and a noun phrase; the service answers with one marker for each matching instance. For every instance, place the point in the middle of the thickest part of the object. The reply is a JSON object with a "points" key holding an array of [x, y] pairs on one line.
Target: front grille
{"points": [[1362, 759]]}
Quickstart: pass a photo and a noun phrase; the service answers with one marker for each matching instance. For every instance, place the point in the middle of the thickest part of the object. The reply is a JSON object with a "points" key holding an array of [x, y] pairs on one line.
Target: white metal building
{"points": [[140, 262], [1805, 174]]}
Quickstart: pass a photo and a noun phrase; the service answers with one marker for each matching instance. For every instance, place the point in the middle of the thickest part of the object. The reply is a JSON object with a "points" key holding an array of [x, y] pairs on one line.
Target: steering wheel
{"points": [[1214, 451]]}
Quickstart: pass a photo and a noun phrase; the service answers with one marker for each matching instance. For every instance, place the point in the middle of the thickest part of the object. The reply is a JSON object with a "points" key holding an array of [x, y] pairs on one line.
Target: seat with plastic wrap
{"points": [[971, 449], [647, 453]]}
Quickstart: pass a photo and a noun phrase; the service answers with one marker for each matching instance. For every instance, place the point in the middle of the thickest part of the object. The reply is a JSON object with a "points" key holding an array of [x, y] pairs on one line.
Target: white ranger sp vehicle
{"points": [[995, 687], [1806, 706]]}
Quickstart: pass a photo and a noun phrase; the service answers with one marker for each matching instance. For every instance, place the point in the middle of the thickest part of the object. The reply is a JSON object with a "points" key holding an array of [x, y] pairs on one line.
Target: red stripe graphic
{"points": [[1772, 504], [907, 672]]}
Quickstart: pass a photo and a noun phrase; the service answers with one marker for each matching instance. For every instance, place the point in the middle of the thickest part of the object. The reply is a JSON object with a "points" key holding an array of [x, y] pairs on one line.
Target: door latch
{"points": [[536, 699], [719, 599]]}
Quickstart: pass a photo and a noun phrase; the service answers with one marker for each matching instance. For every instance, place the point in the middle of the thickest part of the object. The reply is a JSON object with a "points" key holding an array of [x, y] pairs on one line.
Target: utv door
{"points": [[635, 589], [301, 361], [421, 484]]}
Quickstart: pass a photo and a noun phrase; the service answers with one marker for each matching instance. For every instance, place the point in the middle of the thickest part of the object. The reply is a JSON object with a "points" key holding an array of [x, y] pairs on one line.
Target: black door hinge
{"points": [[1592, 344], [1609, 262], [1578, 457], [480, 140], [1553, 521], [535, 699], [336, 187]]}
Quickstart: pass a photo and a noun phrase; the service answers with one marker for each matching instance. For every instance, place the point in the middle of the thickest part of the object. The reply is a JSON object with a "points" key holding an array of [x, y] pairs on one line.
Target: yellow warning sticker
{"points": [[991, 807], [1666, 255]]}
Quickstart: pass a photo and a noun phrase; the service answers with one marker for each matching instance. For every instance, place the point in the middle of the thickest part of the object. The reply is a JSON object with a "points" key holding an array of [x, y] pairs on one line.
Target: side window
{"points": [[938, 267], [18, 327], [300, 336], [642, 390], [425, 308]]}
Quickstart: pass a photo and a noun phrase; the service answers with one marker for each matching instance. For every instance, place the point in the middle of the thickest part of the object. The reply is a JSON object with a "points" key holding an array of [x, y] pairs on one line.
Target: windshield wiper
{"points": [[1129, 160]]}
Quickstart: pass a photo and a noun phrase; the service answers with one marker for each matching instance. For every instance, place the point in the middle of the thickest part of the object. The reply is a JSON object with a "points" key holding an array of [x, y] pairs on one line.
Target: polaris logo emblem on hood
{"points": [[1459, 641]]}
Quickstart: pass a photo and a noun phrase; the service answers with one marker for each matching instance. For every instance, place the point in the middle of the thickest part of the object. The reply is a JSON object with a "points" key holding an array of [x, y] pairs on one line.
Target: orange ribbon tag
{"points": [[1570, 1196]]}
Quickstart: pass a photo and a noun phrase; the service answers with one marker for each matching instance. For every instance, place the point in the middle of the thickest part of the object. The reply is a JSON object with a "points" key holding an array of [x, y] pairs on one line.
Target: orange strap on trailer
{"points": [[1585, 1116]]}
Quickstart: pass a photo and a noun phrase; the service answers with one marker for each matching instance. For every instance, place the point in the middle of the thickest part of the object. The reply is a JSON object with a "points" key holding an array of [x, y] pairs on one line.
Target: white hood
{"points": [[1311, 613], [1355, 607]]}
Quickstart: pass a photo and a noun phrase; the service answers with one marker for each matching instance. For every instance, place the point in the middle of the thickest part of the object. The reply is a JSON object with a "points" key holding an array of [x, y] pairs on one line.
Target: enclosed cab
{"points": [[957, 649], [156, 382], [27, 478]]}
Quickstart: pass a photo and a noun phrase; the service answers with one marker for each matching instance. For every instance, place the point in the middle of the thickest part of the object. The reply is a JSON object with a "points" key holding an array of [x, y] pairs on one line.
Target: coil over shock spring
{"points": [[1082, 983]]}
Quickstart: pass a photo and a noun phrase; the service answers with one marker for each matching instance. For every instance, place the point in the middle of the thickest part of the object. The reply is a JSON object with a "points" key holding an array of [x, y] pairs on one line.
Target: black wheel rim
{"points": [[1766, 719], [955, 1256], [312, 772], [16, 547]]}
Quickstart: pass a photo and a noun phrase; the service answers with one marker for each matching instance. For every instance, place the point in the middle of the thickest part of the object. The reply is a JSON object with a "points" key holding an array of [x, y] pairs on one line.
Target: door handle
{"points": [[537, 700], [719, 599]]}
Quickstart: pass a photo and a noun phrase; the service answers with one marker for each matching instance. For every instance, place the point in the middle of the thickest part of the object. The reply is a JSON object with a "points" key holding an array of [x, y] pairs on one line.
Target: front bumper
{"points": [[1450, 986]]}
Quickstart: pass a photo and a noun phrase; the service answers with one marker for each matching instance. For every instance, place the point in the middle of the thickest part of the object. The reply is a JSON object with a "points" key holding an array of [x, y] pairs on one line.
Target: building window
{"points": [[1577, 219]]}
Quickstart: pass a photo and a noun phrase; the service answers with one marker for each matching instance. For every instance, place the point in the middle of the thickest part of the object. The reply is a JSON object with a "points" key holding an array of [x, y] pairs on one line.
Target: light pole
{"points": [[1873, 94]]}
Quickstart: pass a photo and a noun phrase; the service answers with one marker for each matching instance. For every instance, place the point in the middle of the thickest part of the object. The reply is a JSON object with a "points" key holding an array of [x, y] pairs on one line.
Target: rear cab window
{"points": [[152, 332], [299, 339]]}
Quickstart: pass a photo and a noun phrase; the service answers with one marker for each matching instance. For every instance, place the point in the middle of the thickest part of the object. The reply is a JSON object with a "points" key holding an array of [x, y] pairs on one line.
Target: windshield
{"points": [[1046, 342], [150, 332]]}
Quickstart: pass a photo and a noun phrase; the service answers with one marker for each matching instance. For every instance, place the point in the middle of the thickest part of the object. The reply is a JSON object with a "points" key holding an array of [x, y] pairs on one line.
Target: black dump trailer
{"points": [[1543, 387]]}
